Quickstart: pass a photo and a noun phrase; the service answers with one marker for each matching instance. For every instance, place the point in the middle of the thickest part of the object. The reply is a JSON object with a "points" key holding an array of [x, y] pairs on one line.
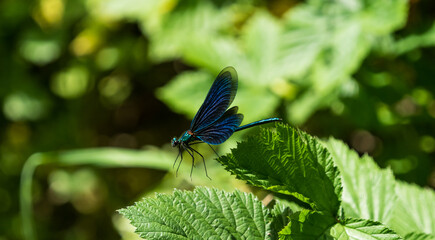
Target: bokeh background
{"points": [[99, 87]]}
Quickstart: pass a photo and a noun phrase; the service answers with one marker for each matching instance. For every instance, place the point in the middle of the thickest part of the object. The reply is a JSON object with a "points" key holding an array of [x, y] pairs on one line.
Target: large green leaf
{"points": [[368, 191], [316, 225], [414, 210], [358, 229], [288, 162], [202, 214], [372, 193], [419, 236], [308, 224]]}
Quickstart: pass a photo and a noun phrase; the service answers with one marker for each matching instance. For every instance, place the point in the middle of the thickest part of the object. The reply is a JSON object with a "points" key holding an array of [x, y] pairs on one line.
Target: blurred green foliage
{"points": [[92, 73]]}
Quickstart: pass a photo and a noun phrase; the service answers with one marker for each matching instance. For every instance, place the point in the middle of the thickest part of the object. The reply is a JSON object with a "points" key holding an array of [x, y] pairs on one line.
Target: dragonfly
{"points": [[214, 123]]}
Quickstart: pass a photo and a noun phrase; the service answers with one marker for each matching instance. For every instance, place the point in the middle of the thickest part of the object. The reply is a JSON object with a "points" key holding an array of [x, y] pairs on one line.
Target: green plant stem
{"points": [[26, 194]]}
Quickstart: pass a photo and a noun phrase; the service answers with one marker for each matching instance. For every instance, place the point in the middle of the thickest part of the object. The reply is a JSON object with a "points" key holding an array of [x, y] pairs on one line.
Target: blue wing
{"points": [[219, 98], [221, 129]]}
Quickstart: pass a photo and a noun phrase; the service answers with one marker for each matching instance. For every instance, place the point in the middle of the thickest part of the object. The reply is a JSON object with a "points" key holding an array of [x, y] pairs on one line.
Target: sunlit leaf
{"points": [[356, 229], [368, 191], [284, 162], [201, 214], [419, 236], [307, 224], [414, 210]]}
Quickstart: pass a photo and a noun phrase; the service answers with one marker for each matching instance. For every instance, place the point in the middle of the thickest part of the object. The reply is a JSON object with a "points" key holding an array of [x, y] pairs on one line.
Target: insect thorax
{"points": [[186, 137]]}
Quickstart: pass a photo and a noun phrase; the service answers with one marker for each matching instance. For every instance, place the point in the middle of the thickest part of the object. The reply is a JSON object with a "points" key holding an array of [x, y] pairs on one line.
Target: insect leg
{"points": [[203, 160], [181, 159], [179, 153], [187, 148], [213, 150]]}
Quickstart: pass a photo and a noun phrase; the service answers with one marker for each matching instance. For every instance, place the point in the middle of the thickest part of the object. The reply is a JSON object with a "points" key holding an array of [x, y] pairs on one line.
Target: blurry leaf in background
{"points": [[345, 41], [115, 89], [184, 91], [81, 188], [49, 13], [427, 143], [22, 106], [72, 82], [107, 58], [321, 53], [39, 51], [410, 44], [86, 42], [196, 20]]}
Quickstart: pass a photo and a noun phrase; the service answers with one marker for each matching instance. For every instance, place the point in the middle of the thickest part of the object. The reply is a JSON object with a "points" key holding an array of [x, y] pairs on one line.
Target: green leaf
{"points": [[414, 210], [368, 191], [202, 214], [281, 217], [345, 33], [178, 31], [307, 224], [343, 46], [260, 36], [186, 92], [128, 9], [377, 21], [362, 229], [316, 225], [281, 161], [372, 193], [410, 43], [419, 236]]}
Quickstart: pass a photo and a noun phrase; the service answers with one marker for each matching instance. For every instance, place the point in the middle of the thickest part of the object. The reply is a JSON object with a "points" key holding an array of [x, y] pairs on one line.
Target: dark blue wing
{"points": [[222, 129], [219, 98]]}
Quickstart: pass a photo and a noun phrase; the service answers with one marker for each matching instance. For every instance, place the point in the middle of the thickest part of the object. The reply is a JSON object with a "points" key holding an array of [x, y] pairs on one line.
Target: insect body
{"points": [[214, 123]]}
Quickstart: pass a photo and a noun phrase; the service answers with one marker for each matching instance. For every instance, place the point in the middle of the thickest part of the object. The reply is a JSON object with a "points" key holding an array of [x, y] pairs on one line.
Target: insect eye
{"points": [[174, 142]]}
